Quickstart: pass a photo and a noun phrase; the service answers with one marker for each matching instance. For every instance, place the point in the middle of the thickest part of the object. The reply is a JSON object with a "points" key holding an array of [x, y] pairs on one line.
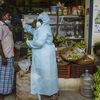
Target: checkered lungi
{"points": [[6, 76]]}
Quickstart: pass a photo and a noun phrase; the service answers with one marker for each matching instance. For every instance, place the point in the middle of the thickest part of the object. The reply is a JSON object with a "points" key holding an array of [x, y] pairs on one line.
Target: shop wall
{"points": [[96, 22]]}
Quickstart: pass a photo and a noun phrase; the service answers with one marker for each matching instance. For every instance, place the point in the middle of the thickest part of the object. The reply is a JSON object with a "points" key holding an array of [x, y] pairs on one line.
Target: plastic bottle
{"points": [[87, 84]]}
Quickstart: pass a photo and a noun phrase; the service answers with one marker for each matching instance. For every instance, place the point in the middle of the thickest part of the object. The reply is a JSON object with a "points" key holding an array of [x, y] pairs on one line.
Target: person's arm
{"points": [[41, 39], [28, 28], [4, 59]]}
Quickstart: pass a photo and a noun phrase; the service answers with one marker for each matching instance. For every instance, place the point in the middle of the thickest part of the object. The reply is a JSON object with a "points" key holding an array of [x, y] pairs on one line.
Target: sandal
{"points": [[54, 96]]}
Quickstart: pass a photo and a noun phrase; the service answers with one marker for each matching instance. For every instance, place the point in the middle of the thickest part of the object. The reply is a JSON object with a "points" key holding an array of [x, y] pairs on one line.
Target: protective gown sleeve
{"points": [[28, 28], [41, 39]]}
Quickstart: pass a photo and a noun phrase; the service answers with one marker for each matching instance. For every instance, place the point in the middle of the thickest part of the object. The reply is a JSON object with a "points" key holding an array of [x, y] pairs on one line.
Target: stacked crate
{"points": [[77, 70], [64, 70]]}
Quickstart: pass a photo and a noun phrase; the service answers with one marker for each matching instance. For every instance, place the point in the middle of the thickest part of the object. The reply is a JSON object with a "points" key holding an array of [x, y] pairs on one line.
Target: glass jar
{"points": [[65, 11], [74, 11], [59, 11], [87, 84], [53, 9]]}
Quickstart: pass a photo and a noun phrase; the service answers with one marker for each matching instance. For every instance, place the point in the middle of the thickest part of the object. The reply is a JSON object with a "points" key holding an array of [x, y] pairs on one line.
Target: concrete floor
{"points": [[64, 95], [72, 96]]}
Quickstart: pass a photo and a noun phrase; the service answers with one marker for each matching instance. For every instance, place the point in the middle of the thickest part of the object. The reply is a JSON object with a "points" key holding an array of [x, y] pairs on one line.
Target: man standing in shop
{"points": [[6, 54]]}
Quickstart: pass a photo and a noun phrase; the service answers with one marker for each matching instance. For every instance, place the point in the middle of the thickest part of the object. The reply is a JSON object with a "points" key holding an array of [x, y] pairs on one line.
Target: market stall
{"points": [[68, 23]]}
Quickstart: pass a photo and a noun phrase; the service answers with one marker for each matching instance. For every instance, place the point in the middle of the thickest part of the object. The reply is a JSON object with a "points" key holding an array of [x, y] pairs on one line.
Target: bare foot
{"points": [[1, 97]]}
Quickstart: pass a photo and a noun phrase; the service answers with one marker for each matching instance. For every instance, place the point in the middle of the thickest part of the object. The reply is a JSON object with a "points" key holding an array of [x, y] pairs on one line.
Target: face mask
{"points": [[38, 24], [8, 22]]}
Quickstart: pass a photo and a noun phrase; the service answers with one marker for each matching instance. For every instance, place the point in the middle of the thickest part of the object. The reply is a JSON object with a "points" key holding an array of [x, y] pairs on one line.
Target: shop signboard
{"points": [[96, 22], [96, 17]]}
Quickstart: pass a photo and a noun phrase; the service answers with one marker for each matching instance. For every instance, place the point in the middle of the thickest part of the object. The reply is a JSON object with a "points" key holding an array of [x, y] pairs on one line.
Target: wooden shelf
{"points": [[70, 16]]}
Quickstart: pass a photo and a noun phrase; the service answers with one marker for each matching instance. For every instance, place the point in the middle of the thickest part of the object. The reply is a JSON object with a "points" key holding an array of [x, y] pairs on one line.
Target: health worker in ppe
{"points": [[44, 78]]}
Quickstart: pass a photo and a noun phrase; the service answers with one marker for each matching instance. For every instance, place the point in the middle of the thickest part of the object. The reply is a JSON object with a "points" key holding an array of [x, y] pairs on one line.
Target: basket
{"points": [[70, 55], [77, 70], [63, 70], [86, 60], [60, 50]]}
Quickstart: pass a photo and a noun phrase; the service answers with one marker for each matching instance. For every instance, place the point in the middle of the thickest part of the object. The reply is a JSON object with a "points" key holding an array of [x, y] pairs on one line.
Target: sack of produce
{"points": [[23, 87]]}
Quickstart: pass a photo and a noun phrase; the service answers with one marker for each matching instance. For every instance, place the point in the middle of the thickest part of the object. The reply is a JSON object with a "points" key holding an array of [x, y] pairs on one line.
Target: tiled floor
{"points": [[64, 95]]}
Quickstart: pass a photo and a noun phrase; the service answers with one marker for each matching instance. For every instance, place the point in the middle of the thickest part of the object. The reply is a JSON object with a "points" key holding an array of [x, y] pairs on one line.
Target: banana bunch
{"points": [[97, 87], [81, 44], [61, 39], [97, 95], [29, 53], [28, 36], [17, 28], [24, 45], [96, 78], [74, 56]]}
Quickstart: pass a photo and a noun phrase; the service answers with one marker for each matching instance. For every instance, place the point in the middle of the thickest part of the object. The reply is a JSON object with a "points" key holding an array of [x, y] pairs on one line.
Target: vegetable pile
{"points": [[96, 78]]}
